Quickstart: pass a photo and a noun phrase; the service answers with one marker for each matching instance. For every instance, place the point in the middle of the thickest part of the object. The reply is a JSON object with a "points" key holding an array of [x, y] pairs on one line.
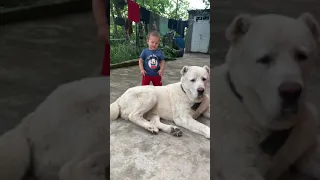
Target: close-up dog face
{"points": [[195, 80], [272, 56]]}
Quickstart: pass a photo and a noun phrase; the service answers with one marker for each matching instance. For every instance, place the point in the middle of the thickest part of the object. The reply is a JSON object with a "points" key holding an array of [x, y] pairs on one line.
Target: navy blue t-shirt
{"points": [[151, 61]]}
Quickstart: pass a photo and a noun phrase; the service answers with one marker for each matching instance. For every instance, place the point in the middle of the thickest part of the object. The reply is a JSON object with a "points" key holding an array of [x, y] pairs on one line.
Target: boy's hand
{"points": [[160, 72], [103, 33], [143, 72]]}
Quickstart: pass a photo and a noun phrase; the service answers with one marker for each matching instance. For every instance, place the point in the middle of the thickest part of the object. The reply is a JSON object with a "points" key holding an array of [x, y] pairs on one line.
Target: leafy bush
{"points": [[169, 52], [120, 52]]}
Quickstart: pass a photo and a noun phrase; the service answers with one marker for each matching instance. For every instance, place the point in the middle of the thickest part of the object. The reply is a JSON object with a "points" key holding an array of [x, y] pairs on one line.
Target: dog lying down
{"points": [[181, 102], [263, 124]]}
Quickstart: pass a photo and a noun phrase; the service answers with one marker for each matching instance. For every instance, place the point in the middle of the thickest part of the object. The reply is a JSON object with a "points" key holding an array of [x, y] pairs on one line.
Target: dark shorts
{"points": [[156, 80]]}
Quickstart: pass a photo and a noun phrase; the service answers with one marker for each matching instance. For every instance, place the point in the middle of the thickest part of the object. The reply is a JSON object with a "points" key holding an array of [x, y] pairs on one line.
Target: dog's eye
{"points": [[265, 59], [192, 80], [301, 56], [204, 79]]}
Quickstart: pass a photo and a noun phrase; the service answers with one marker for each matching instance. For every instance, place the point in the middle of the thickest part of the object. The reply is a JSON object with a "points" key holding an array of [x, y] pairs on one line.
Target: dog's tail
{"points": [[15, 154], [114, 110]]}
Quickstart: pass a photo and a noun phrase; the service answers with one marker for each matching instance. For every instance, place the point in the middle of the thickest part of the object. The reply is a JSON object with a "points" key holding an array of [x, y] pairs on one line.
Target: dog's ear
{"points": [[312, 24], [238, 27], [207, 69], [184, 70]]}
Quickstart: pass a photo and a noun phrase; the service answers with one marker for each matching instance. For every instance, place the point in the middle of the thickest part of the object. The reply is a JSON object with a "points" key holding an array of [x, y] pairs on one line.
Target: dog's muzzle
{"points": [[290, 93], [200, 92]]}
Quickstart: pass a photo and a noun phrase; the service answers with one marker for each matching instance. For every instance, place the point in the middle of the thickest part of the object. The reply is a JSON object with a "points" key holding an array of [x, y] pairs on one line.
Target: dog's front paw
{"points": [[153, 129], [175, 131]]}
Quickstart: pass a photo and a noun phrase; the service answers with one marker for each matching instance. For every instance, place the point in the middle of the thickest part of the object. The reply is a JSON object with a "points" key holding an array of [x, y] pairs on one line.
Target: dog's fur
{"points": [[171, 102], [65, 138], [266, 51]]}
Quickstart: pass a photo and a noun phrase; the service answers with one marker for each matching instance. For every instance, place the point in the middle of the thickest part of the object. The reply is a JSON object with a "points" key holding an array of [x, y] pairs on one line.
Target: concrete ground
{"points": [[137, 154]]}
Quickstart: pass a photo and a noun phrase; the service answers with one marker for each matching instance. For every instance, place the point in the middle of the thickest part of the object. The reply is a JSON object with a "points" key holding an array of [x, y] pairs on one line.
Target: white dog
{"points": [[180, 102], [260, 90]]}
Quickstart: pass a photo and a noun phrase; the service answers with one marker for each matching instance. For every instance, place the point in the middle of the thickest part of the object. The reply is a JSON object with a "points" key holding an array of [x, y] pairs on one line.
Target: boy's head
{"points": [[153, 40]]}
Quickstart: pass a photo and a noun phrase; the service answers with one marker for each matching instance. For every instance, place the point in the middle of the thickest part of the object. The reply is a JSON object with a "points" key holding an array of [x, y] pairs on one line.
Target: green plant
{"points": [[175, 46], [169, 52], [120, 52]]}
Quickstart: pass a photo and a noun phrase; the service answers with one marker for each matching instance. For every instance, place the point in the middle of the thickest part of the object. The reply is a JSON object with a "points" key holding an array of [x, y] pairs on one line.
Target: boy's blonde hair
{"points": [[154, 34]]}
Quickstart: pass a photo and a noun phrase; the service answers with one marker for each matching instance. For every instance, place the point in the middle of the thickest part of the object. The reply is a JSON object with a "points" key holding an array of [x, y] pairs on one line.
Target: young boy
{"points": [[101, 9], [151, 61]]}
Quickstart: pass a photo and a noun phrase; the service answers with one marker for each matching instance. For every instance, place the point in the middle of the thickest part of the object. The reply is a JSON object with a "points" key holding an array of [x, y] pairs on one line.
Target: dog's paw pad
{"points": [[176, 132]]}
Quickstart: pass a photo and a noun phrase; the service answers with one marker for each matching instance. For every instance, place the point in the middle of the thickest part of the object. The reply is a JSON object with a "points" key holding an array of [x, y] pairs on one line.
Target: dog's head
{"points": [[194, 81], [271, 55]]}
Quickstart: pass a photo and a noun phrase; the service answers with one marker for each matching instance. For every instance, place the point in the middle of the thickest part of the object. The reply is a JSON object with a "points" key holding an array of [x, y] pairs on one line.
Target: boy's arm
{"points": [[141, 57], [162, 64], [141, 64]]}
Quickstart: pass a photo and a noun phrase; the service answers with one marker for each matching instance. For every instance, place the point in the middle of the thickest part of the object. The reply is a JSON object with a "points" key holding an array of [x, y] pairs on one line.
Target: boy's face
{"points": [[153, 42]]}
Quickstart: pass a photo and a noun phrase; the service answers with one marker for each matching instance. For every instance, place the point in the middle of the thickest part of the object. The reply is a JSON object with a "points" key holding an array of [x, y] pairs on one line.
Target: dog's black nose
{"points": [[290, 91], [200, 90]]}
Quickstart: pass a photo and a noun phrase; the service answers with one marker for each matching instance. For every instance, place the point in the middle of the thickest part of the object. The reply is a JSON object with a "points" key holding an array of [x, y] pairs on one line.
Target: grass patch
{"points": [[120, 52]]}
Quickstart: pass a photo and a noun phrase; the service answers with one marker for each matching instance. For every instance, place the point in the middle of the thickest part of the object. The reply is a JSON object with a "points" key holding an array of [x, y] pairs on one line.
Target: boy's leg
{"points": [[156, 80], [106, 61], [145, 80]]}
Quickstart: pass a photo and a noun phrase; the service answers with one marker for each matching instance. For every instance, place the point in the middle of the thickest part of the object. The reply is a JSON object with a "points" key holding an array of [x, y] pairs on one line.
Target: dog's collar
{"points": [[182, 89], [232, 87], [276, 139], [195, 106]]}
